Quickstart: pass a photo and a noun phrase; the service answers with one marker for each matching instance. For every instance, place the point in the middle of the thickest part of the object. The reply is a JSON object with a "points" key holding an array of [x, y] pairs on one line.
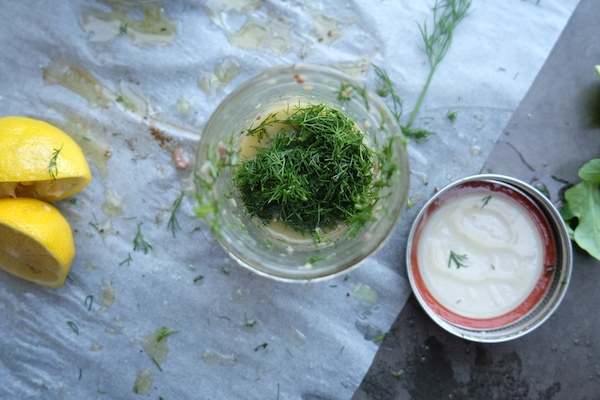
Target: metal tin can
{"points": [[539, 275]]}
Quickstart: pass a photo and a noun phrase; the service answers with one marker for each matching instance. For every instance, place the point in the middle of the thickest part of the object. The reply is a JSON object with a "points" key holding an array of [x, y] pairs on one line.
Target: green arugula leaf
{"points": [[583, 203], [590, 172]]}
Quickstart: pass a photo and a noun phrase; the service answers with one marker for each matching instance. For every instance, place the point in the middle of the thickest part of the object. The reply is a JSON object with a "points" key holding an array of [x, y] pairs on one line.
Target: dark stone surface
{"points": [[555, 130]]}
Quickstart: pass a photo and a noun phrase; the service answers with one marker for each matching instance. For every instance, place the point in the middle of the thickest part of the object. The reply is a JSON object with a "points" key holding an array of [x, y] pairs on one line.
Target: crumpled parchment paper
{"points": [[134, 83]]}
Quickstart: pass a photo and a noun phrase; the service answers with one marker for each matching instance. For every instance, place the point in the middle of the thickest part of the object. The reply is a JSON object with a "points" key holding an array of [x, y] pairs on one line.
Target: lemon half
{"points": [[39, 161], [36, 241]]}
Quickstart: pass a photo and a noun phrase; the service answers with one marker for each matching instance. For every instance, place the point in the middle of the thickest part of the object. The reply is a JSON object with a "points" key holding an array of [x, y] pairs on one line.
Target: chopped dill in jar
{"points": [[315, 173]]}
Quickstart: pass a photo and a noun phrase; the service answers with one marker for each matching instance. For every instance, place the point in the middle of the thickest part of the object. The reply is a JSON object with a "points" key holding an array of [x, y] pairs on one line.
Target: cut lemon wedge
{"points": [[36, 242], [39, 161]]}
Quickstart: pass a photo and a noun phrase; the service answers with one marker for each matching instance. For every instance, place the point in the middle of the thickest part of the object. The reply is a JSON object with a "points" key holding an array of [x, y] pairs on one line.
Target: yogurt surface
{"points": [[480, 254]]}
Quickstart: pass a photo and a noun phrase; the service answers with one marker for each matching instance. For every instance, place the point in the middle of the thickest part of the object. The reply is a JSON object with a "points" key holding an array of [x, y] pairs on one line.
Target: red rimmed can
{"points": [[489, 258]]}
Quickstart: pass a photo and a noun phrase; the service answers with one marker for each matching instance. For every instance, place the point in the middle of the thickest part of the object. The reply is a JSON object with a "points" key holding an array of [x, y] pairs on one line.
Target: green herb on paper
{"points": [[89, 301], [446, 16], [385, 88], [73, 326], [97, 227], [164, 332], [581, 210], [451, 115], [128, 260], [139, 244], [52, 167], [157, 364], [457, 259], [379, 338], [173, 224], [198, 278], [263, 346]]}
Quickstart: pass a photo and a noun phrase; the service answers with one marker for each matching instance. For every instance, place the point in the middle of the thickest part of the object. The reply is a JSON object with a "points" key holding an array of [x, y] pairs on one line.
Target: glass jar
{"points": [[248, 240]]}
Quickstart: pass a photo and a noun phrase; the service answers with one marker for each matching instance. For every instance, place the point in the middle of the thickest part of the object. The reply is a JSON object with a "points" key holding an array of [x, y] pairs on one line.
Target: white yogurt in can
{"points": [[480, 254], [485, 254]]}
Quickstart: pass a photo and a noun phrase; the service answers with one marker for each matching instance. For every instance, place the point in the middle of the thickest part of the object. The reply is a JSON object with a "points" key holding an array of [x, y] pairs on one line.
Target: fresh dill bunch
{"points": [[314, 176]]}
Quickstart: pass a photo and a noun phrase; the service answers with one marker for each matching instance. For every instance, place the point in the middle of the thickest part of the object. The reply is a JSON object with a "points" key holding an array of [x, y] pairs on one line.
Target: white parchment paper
{"points": [[239, 336]]}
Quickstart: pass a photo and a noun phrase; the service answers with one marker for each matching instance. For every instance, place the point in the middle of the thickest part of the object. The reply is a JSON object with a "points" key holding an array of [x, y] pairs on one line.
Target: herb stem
{"points": [[73, 326], [446, 16], [139, 244], [173, 224], [89, 301], [415, 111]]}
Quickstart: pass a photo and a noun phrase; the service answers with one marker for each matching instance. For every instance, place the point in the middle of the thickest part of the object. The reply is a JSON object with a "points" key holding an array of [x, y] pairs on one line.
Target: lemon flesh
{"points": [[36, 241], [39, 161]]}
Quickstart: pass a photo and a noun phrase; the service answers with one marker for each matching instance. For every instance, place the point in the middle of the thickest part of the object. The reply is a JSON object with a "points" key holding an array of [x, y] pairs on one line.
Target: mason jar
{"points": [[256, 245]]}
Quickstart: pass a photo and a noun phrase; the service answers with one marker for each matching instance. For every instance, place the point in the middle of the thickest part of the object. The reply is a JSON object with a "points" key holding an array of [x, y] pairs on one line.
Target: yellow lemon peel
{"points": [[39, 161], [36, 241]]}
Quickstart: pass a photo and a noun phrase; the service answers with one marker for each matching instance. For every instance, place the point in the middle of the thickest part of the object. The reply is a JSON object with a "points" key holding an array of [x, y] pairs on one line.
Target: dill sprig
{"points": [[349, 90], [139, 244], [173, 224], [457, 259], [260, 131], [52, 167], [128, 260], [312, 177], [385, 88], [446, 16], [96, 225]]}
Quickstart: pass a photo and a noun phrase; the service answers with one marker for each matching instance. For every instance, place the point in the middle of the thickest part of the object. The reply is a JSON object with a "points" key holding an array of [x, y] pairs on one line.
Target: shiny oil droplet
{"points": [[107, 294], [213, 357], [143, 382], [365, 294]]}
